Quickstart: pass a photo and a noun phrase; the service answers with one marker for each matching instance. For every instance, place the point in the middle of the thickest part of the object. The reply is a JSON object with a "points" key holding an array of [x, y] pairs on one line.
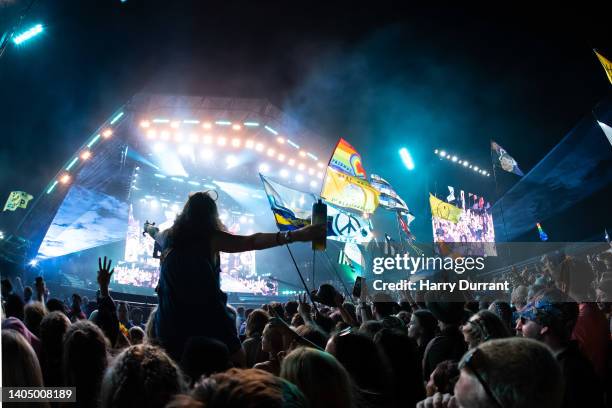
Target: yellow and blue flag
{"points": [[291, 208]]}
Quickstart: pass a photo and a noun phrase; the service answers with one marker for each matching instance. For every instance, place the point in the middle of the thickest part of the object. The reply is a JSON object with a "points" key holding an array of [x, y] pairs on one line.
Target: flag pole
{"points": [[302, 279], [501, 205], [337, 274]]}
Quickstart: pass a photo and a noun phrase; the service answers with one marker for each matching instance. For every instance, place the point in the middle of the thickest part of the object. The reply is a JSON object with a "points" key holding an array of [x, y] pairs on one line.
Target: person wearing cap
{"points": [[550, 319], [505, 373]]}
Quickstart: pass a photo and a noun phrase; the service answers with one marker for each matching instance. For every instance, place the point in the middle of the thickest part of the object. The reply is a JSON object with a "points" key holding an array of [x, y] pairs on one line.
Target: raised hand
{"points": [[104, 275], [304, 308]]}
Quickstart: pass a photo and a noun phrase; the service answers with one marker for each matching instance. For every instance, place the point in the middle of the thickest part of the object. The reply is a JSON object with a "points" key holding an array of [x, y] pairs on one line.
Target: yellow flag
{"points": [[348, 191], [607, 65], [17, 199], [444, 210]]}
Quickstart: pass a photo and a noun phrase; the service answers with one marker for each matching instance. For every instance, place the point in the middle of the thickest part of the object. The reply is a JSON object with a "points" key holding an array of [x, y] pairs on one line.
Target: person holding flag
{"points": [[190, 274]]}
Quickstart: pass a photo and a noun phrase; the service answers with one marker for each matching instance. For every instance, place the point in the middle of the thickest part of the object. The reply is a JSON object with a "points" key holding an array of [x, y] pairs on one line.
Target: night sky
{"points": [[385, 75]]}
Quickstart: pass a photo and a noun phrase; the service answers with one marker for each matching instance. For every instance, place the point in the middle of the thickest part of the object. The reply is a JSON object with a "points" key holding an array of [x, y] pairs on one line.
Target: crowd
{"points": [[548, 347], [543, 349]]}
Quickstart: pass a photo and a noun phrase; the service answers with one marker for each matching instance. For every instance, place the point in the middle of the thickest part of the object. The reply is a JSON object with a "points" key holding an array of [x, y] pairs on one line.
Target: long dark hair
{"points": [[198, 220]]}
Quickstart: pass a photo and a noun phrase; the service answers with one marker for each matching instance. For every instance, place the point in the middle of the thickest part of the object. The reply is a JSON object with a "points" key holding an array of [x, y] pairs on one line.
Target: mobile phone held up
{"points": [[357, 287]]}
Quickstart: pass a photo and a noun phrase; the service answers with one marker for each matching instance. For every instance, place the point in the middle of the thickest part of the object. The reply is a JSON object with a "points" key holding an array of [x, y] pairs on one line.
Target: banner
{"points": [[291, 208], [352, 258], [17, 199], [443, 210], [350, 192], [346, 160], [504, 160], [387, 198], [347, 227]]}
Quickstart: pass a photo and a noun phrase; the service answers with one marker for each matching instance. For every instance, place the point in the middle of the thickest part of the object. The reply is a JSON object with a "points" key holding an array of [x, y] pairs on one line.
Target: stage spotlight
{"points": [[178, 137], [249, 144], [107, 133], [152, 133], [280, 140], [291, 162], [236, 142], [301, 166], [232, 161], [264, 168], [270, 152], [465, 163], [281, 157], [145, 123], [33, 262], [406, 158], [284, 173], [475, 168], [454, 158], [159, 147], [460, 162], [29, 33], [313, 184], [311, 171], [259, 147], [221, 141], [236, 127], [165, 135], [65, 179], [185, 150], [442, 153], [207, 154], [436, 151], [320, 175], [193, 138], [154, 204], [207, 139], [302, 153], [206, 125], [86, 155], [242, 219], [175, 124], [299, 178], [320, 165]]}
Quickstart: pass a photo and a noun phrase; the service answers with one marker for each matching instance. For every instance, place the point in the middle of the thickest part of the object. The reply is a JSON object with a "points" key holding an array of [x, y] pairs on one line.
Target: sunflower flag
{"points": [[17, 199]]}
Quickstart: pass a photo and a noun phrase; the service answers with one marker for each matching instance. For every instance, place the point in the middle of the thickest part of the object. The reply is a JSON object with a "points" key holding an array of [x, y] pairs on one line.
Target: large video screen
{"points": [[141, 268], [465, 224]]}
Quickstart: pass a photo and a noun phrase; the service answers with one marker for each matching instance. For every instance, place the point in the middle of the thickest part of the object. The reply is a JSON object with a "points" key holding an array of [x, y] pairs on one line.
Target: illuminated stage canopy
{"points": [[143, 163]]}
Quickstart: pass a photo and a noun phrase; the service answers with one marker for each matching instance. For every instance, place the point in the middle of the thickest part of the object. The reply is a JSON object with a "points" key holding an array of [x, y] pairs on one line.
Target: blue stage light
{"points": [[406, 158], [26, 35]]}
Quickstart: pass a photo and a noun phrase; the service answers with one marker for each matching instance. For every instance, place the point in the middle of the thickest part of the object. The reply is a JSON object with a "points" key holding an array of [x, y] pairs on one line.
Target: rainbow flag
{"points": [[348, 191], [346, 160], [543, 235]]}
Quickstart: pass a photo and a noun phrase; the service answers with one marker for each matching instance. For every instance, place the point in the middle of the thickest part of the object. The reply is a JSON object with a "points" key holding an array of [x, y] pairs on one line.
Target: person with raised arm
{"points": [[191, 302]]}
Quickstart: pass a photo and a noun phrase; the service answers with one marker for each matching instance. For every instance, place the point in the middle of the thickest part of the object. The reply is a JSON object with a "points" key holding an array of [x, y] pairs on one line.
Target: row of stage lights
{"points": [[236, 142], [85, 154], [453, 158]]}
